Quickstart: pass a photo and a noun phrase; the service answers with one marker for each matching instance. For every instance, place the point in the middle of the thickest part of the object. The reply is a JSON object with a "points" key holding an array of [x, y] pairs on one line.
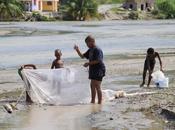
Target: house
{"points": [[41, 5], [139, 4]]}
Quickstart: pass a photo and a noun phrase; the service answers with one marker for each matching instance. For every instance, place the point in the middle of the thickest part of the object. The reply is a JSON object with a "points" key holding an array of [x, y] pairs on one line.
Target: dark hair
{"points": [[58, 51], [150, 51], [89, 38]]}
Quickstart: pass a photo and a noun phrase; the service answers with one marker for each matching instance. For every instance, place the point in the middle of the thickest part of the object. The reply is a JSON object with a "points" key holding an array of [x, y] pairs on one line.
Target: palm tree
{"points": [[80, 9], [10, 9]]}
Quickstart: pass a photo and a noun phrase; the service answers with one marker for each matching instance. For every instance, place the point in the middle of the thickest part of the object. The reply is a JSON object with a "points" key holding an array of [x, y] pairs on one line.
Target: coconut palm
{"points": [[10, 9], [80, 9]]}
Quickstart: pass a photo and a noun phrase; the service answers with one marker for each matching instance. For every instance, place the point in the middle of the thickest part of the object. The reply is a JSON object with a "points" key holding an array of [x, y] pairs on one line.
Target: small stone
{"points": [[166, 121], [111, 118]]}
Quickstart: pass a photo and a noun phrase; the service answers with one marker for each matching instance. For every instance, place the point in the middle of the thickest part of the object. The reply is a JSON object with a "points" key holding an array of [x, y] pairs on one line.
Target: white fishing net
{"points": [[57, 86]]}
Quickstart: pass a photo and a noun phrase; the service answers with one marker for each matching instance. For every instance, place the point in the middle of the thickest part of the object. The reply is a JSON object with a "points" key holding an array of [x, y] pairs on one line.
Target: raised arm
{"points": [[78, 51]]}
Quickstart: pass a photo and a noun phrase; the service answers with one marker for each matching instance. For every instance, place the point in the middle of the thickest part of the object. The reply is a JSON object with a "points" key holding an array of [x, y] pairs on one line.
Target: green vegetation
{"points": [[109, 1], [134, 15], [164, 9], [10, 10], [36, 16], [80, 9]]}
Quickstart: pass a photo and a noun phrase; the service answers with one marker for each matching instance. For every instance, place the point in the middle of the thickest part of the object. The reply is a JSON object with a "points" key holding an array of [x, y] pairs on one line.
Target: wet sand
{"points": [[3, 33], [130, 113], [37, 117]]}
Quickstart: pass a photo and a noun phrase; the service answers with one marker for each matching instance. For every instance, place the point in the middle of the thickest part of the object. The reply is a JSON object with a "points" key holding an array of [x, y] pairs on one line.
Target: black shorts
{"points": [[96, 78]]}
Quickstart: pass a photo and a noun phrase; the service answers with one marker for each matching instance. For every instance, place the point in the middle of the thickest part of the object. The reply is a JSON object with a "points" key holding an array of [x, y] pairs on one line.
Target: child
{"points": [[27, 66], [96, 67], [149, 65], [57, 63]]}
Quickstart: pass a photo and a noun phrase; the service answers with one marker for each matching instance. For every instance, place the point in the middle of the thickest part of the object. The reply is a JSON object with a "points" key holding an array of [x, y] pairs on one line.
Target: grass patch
{"points": [[12, 94]]}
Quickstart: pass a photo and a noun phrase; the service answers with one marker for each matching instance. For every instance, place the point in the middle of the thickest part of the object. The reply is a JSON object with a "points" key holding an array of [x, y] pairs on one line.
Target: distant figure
{"points": [[57, 63], [96, 67], [149, 65], [27, 66]]}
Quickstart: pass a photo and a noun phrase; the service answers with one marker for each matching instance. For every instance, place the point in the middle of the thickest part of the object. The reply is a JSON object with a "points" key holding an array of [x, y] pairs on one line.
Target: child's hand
{"points": [[22, 67], [76, 47], [86, 64]]}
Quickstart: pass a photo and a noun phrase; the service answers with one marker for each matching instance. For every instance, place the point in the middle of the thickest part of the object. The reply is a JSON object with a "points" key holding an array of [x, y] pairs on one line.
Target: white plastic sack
{"points": [[160, 80], [108, 94], [57, 86]]}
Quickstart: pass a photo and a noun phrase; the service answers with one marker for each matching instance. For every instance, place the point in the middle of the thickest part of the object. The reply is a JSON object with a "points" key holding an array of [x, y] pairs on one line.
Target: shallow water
{"points": [[37, 117], [35, 43], [48, 118]]}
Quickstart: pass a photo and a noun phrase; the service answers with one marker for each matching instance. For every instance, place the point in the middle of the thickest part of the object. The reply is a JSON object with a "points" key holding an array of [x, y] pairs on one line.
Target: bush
{"points": [[155, 12], [134, 15], [167, 8], [161, 16], [109, 1], [38, 17]]}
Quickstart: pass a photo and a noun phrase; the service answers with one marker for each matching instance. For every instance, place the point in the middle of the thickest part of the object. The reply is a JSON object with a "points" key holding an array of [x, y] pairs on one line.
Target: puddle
{"points": [[48, 117], [36, 117]]}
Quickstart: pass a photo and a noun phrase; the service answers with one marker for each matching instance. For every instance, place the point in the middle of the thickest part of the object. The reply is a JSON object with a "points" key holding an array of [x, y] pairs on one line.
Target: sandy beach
{"points": [[124, 72]]}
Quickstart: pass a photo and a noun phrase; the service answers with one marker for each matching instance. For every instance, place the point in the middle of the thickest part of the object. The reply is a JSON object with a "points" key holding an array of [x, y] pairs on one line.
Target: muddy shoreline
{"points": [[146, 112], [158, 108]]}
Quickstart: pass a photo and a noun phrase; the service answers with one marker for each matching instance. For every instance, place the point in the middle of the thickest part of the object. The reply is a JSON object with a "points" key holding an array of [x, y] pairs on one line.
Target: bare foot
{"points": [[99, 103], [141, 85], [93, 102]]}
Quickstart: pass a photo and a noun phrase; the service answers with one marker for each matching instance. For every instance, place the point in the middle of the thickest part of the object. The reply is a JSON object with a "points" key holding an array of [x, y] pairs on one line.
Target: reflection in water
{"points": [[50, 118]]}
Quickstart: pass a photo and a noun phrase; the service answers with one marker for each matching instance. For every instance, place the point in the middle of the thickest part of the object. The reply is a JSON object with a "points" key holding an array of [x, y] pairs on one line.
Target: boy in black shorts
{"points": [[149, 65], [96, 67], [27, 66]]}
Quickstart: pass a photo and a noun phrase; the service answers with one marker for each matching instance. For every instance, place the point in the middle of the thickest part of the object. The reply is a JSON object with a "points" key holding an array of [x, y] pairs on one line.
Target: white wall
{"points": [[35, 5]]}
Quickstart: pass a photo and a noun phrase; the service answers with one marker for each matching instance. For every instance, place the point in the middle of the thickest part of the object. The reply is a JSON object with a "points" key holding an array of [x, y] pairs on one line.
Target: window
{"points": [[142, 7], [49, 3], [131, 6]]}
